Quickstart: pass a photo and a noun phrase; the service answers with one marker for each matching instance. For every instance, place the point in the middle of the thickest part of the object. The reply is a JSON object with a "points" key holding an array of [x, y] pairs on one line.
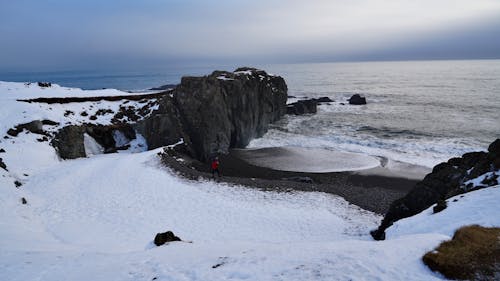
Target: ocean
{"points": [[417, 112]]}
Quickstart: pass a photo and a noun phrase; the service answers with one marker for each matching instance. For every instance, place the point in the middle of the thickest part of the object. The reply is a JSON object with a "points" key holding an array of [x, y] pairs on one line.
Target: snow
{"points": [[476, 207], [91, 146], [243, 72], [15, 112], [477, 182], [222, 77], [95, 218]]}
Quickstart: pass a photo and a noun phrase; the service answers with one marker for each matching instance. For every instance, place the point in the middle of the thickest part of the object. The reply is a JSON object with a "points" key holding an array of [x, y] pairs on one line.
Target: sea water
{"points": [[417, 112]]}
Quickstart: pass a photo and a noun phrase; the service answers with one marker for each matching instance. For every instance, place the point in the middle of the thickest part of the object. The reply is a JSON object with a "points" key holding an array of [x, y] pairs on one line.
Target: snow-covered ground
{"points": [[95, 218]]}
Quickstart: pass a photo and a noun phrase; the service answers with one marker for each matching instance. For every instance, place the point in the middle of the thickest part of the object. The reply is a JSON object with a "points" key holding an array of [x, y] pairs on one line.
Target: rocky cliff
{"points": [[210, 114], [446, 180], [228, 109]]}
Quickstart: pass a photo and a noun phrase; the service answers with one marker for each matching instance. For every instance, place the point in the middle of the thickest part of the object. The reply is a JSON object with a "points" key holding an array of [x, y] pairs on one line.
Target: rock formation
{"points": [[307, 106], [219, 111], [69, 141], [165, 237], [302, 107], [210, 114], [446, 180], [356, 99]]}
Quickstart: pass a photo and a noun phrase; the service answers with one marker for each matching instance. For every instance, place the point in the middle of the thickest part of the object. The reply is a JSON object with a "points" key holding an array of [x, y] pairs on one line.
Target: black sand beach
{"points": [[371, 192]]}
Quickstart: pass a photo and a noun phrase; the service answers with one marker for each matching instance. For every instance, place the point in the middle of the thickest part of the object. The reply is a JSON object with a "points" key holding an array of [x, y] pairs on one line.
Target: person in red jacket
{"points": [[215, 167]]}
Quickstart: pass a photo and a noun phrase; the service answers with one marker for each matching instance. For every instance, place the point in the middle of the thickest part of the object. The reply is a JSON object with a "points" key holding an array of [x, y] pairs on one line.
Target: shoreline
{"points": [[371, 192]]}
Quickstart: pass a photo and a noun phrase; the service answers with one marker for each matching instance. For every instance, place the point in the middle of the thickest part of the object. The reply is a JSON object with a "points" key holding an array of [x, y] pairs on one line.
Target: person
{"points": [[215, 167]]}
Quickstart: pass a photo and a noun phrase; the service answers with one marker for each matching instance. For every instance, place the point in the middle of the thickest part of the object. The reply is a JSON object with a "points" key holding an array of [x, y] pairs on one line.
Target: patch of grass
{"points": [[472, 254]]}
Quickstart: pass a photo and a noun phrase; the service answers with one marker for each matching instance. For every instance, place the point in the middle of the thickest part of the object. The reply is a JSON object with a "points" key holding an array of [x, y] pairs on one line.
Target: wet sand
{"points": [[371, 192]]}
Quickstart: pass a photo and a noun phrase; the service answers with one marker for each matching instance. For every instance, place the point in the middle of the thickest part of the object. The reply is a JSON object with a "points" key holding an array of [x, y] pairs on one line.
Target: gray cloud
{"points": [[104, 34]]}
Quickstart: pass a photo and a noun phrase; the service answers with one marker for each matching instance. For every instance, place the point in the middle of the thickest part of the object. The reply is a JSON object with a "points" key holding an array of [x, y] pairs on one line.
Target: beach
{"points": [[371, 188]]}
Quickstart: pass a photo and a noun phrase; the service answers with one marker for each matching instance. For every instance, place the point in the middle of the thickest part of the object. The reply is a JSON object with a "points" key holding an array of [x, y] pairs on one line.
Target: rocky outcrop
{"points": [[69, 141], [356, 99], [44, 84], [163, 127], [165, 237], [227, 109], [210, 114], [446, 180], [35, 127], [307, 106], [302, 107]]}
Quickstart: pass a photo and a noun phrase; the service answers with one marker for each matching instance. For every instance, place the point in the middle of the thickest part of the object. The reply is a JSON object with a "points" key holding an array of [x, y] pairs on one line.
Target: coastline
{"points": [[372, 192]]}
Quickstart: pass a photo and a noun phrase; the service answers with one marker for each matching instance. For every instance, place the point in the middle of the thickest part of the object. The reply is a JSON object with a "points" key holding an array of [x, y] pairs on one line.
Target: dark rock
{"points": [[2, 165], [50, 122], [323, 99], [35, 127], [164, 127], [68, 113], [302, 107], [24, 201], [162, 238], [219, 114], [356, 99], [93, 117], [84, 114], [13, 132], [2, 150], [342, 103], [445, 181], [210, 114], [291, 97], [440, 205], [44, 84], [69, 144], [18, 183]]}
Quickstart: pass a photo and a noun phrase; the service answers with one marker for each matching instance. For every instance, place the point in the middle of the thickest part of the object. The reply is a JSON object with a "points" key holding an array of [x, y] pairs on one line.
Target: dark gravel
{"points": [[373, 193]]}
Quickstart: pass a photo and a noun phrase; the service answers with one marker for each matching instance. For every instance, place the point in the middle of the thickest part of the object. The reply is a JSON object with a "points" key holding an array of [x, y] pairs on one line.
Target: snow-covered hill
{"points": [[95, 218]]}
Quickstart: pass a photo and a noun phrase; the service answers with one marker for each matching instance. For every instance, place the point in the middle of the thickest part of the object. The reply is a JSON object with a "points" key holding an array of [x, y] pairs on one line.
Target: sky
{"points": [[69, 34]]}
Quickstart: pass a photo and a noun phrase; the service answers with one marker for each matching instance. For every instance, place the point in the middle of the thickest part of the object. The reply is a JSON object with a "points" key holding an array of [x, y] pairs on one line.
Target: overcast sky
{"points": [[70, 34]]}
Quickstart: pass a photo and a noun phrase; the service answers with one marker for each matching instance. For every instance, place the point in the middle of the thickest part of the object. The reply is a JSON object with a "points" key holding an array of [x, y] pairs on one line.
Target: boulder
{"points": [[162, 238], [440, 205], [446, 180], [356, 99], [44, 84], [302, 107]]}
